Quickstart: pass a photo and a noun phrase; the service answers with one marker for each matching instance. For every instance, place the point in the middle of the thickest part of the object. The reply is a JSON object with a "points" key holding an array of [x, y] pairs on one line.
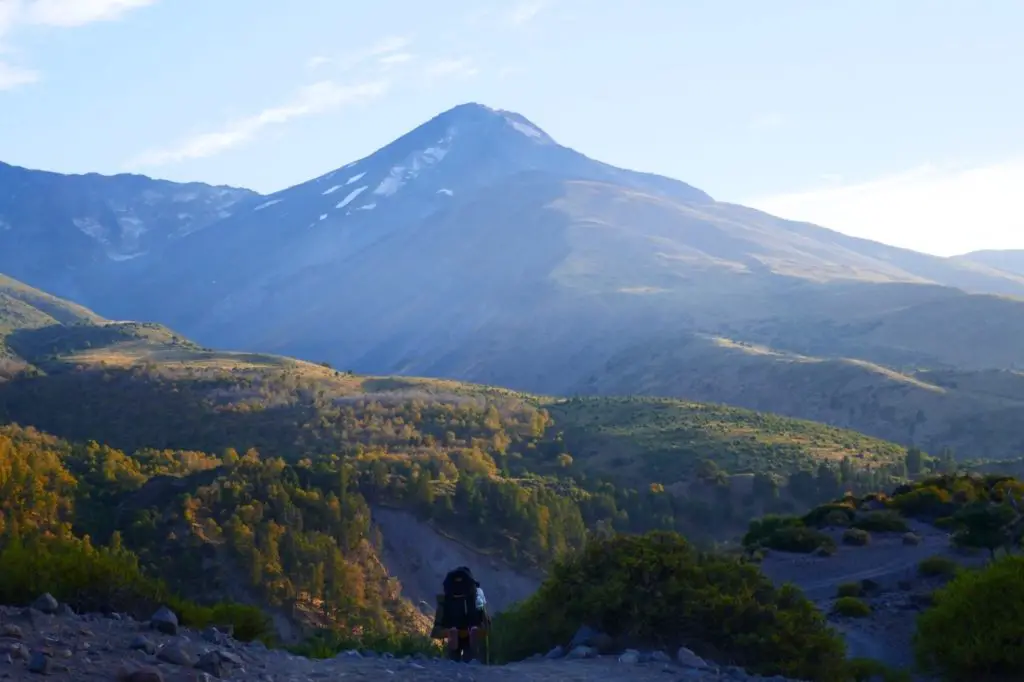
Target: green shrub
{"points": [[974, 629], [797, 539], [928, 502], [832, 514], [761, 529], [656, 590], [935, 566], [849, 590], [851, 607], [856, 536], [886, 521], [107, 579]]}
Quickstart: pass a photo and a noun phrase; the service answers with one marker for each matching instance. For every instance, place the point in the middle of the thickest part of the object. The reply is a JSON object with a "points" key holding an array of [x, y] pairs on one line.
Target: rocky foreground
{"points": [[49, 640]]}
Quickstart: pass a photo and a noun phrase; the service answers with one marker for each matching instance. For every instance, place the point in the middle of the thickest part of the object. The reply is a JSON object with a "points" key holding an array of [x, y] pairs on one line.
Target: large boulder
{"points": [[165, 621]]}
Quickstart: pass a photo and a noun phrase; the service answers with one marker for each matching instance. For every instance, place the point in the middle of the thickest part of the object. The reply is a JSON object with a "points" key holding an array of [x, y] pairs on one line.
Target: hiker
{"points": [[461, 617]]}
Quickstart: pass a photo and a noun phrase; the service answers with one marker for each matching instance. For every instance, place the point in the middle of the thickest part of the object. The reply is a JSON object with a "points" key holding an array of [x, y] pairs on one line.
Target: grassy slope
{"points": [[22, 307], [977, 413], [637, 439]]}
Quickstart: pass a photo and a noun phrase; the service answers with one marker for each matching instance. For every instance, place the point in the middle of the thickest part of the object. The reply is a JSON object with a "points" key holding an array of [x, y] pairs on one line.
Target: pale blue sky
{"points": [[898, 120]]}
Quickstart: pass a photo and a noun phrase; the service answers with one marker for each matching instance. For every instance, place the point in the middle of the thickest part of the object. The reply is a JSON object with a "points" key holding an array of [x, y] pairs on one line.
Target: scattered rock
{"points": [[557, 652], [165, 621], [911, 539], [175, 654], [66, 611], [583, 651], [46, 604], [143, 643], [214, 636], [211, 663], [583, 637], [146, 674], [39, 663], [688, 659], [12, 631], [630, 656]]}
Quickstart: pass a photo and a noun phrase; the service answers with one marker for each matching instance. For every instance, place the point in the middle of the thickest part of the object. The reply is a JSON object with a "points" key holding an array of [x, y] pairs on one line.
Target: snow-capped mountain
{"points": [[478, 247]]}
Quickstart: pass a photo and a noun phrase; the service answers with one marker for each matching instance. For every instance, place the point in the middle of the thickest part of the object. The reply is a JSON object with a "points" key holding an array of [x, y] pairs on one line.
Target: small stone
{"points": [[557, 652], [143, 643], [66, 611], [351, 653], [214, 636], [164, 621], [660, 657], [230, 657], [583, 636], [46, 604], [583, 652], [688, 659], [146, 674], [211, 662], [39, 663], [630, 656], [11, 630], [175, 654]]}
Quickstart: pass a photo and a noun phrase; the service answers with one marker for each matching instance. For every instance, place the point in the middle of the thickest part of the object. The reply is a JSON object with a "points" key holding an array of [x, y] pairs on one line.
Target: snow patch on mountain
{"points": [[355, 178], [525, 129], [413, 165], [351, 196], [447, 192], [268, 204], [332, 189]]}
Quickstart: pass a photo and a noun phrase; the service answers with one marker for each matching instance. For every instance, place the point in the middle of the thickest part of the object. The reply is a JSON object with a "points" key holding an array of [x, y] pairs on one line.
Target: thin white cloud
{"points": [[396, 58], [314, 99], [70, 13], [14, 76], [526, 11], [943, 210], [317, 61], [53, 13], [449, 67]]}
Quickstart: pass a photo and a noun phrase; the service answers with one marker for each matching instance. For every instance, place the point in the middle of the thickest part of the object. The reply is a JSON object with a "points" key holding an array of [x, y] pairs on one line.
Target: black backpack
{"points": [[460, 609]]}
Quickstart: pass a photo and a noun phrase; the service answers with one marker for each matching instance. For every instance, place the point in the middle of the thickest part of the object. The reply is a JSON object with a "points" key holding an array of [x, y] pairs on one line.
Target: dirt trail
{"points": [[887, 634], [419, 557]]}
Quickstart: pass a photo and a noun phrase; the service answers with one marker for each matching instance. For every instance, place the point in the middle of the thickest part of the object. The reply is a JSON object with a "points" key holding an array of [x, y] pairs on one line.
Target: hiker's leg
{"points": [[454, 651], [473, 643]]}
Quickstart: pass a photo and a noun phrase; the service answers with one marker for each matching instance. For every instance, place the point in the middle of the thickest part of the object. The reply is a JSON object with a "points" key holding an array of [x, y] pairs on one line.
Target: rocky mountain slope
{"points": [[65, 233]]}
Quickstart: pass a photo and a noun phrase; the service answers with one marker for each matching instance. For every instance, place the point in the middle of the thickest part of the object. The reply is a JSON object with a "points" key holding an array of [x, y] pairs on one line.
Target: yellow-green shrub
{"points": [[99, 579], [658, 591], [974, 629], [849, 590], [851, 607]]}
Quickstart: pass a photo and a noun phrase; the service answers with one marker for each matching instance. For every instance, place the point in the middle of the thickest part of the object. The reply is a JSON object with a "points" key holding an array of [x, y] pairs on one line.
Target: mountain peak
{"points": [[488, 120]]}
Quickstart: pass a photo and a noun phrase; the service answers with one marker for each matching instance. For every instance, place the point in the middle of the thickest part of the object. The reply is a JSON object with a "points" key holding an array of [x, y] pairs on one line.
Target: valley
{"points": [[293, 413]]}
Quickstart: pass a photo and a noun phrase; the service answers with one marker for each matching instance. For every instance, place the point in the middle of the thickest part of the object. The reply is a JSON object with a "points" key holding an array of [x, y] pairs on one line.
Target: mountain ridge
{"points": [[468, 248]]}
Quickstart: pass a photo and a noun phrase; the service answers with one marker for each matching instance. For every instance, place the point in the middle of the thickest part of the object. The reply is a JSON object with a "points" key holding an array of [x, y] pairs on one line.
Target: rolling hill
{"points": [[1011, 260]]}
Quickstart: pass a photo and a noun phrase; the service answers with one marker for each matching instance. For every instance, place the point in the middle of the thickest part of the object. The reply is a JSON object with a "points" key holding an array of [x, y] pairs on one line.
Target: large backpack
{"points": [[460, 610]]}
